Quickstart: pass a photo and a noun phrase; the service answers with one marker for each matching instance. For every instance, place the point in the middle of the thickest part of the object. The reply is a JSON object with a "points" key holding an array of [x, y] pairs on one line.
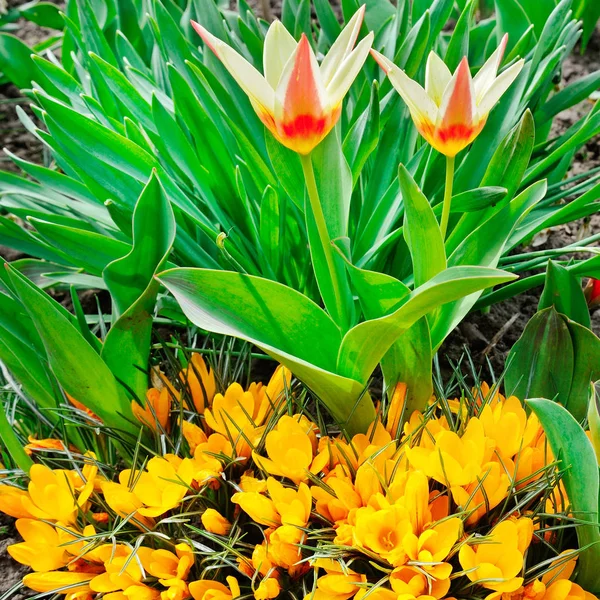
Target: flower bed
{"points": [[253, 499]]}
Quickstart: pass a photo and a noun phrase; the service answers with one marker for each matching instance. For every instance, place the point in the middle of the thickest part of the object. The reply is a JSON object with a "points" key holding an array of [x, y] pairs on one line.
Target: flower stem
{"points": [[338, 309], [447, 195]]}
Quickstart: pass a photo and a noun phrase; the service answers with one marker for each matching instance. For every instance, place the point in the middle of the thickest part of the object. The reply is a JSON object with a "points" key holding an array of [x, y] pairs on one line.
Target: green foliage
{"points": [[135, 109], [295, 331], [575, 454], [557, 356]]}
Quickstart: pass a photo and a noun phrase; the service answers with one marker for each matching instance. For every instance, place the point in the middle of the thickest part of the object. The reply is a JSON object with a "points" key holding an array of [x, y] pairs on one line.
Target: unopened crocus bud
{"points": [[215, 522]]}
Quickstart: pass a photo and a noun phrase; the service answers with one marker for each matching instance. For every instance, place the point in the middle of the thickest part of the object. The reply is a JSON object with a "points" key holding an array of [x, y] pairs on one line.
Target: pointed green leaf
{"points": [[76, 365], [572, 448]]}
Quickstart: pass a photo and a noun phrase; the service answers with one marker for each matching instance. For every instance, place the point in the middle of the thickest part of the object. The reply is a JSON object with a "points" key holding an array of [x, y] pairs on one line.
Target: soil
{"points": [[11, 572]]}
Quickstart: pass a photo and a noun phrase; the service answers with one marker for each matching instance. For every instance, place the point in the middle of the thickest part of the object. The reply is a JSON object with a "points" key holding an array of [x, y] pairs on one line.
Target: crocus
{"points": [[298, 100], [206, 589], [41, 549], [452, 109], [215, 522], [497, 564]]}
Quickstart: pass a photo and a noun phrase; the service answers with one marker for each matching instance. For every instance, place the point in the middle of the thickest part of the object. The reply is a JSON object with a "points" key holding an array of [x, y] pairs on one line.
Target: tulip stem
{"points": [[338, 310], [447, 195]]}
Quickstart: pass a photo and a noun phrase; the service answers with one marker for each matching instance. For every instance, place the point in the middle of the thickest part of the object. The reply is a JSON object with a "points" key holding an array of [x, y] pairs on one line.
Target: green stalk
{"points": [[447, 195], [12, 444], [338, 311]]}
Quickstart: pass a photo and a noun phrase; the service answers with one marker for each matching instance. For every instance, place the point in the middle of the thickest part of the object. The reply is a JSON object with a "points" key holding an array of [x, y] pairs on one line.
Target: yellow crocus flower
{"points": [[155, 414], [215, 522], [59, 582], [11, 502], [41, 549], [496, 562], [289, 449], [268, 588], [163, 485], [56, 495], [200, 381], [206, 589], [453, 460]]}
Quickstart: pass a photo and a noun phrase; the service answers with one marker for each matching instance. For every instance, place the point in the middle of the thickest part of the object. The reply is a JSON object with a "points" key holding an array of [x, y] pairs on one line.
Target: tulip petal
{"points": [[300, 90], [279, 47], [247, 77], [458, 103], [422, 108], [500, 85], [342, 46], [349, 69], [437, 77], [484, 79]]}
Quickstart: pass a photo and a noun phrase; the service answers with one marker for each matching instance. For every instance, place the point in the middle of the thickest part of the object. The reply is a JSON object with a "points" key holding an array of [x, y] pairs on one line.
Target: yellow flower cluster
{"points": [[426, 513]]}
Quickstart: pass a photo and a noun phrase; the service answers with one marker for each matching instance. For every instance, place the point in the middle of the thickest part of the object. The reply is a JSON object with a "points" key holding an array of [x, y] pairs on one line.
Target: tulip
{"points": [[298, 101], [452, 109], [592, 292]]}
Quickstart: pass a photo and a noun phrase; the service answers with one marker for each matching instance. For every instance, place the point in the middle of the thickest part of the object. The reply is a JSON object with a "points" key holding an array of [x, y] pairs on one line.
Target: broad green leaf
{"points": [[586, 348], [283, 323], [483, 247], [459, 42], [334, 185], [409, 359], [44, 14], [541, 363], [512, 19], [76, 365], [134, 290], [365, 345], [153, 229], [421, 231], [474, 200], [563, 291], [270, 227], [572, 448], [361, 141]]}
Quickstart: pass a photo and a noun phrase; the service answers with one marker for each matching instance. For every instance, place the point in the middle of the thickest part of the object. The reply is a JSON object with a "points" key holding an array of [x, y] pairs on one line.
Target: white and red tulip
{"points": [[297, 99], [452, 109]]}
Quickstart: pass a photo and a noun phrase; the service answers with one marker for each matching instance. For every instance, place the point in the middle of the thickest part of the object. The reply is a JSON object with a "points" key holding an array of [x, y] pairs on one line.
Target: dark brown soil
{"points": [[11, 572]]}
